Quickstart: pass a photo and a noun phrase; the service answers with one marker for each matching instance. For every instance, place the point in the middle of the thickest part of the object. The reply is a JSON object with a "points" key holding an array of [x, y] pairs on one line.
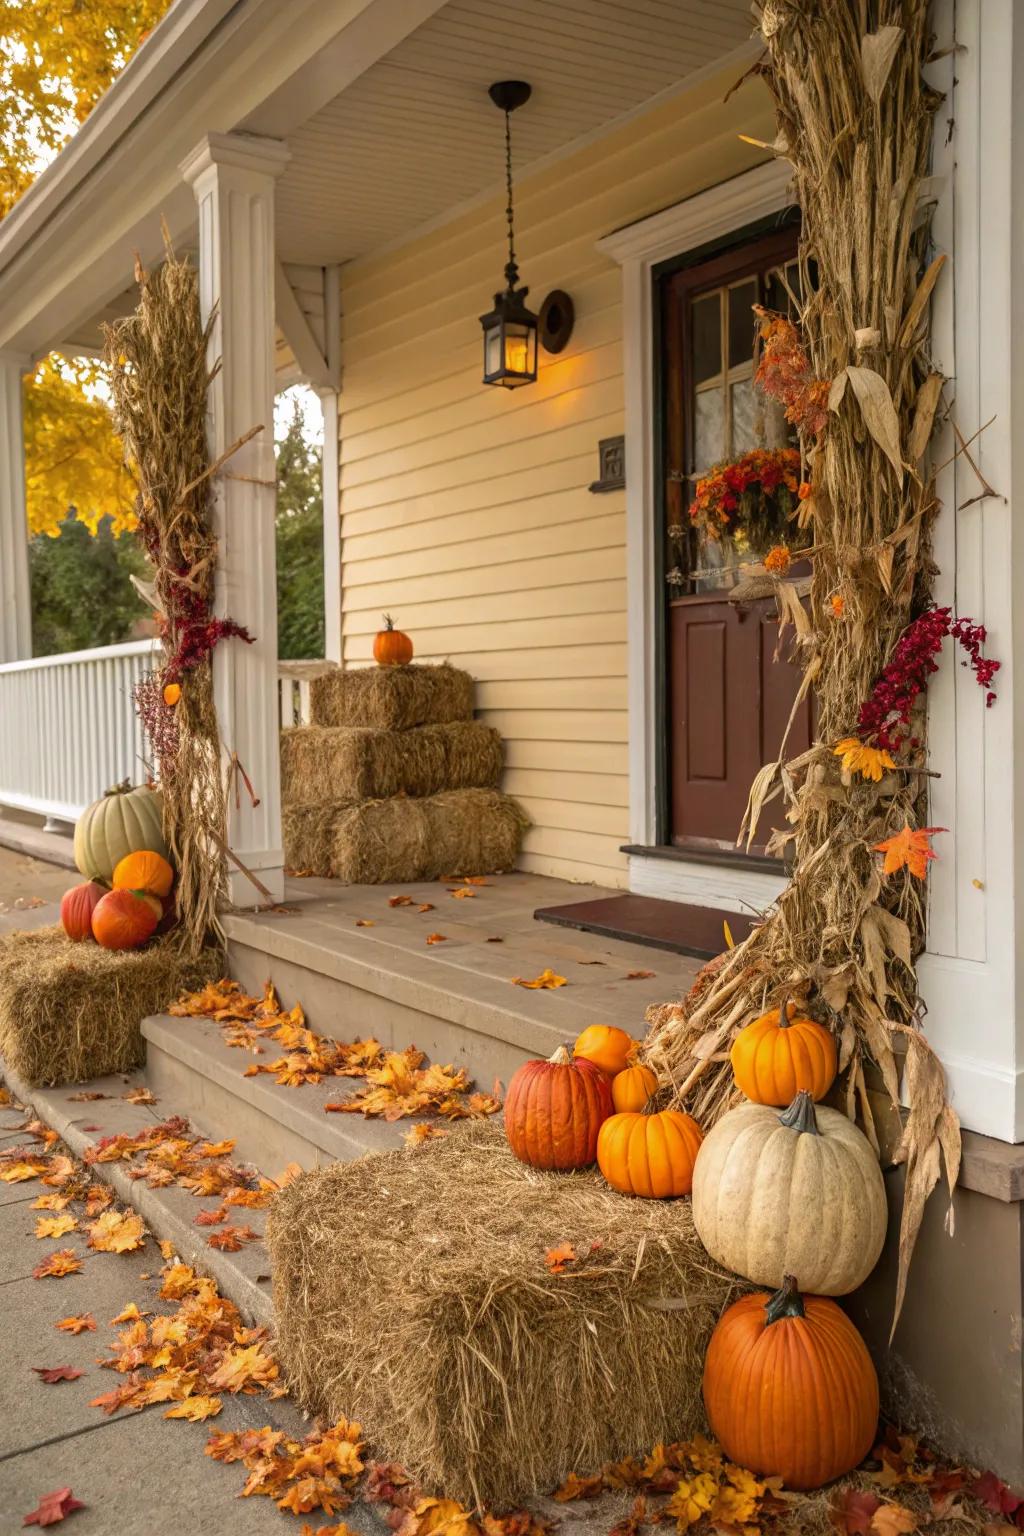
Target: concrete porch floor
{"points": [[351, 933]]}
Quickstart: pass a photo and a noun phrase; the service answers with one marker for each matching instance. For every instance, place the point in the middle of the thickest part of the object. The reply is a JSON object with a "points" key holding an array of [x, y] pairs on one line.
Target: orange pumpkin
{"points": [[789, 1387], [651, 1153], [782, 1053], [77, 907], [607, 1046], [144, 871], [125, 919], [172, 693], [554, 1110], [391, 648], [632, 1087]]}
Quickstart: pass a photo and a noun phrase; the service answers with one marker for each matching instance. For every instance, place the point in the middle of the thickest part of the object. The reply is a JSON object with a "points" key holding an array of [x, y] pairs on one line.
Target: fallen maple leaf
{"points": [[399, 901], [557, 1258], [64, 1262], [195, 1409], [230, 1239], [117, 1232], [140, 1095], [53, 1373], [893, 1520], [129, 1314], [53, 1507], [421, 1133], [85, 1323], [463, 893], [637, 975], [18, 1173], [213, 1217], [425, 906], [365, 922], [55, 1226], [215, 1148], [51, 1203], [908, 848], [242, 1368], [437, 938], [576, 1487], [855, 1511], [87, 1096], [546, 981]]}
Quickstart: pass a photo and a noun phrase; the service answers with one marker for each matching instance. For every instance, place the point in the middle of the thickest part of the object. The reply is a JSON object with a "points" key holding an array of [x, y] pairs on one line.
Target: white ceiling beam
{"points": [[298, 333]]}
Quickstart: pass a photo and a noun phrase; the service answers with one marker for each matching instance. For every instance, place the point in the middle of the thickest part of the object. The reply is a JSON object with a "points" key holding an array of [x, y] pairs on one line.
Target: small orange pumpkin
{"points": [[172, 693], [789, 1387], [391, 648], [144, 871], [632, 1087], [125, 919], [607, 1046], [76, 908], [554, 1110], [782, 1053], [651, 1153]]}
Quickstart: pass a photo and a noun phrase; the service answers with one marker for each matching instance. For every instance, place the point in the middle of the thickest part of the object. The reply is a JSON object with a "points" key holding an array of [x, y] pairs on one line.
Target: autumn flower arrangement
{"points": [[752, 498]]}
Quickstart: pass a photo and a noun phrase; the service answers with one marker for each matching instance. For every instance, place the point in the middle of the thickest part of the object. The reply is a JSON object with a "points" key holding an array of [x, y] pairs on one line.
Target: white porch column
{"points": [[233, 180], [329, 404], [15, 606]]}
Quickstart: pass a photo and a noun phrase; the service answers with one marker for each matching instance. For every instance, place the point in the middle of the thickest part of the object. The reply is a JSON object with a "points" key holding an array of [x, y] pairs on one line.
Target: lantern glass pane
{"points": [[517, 348], [492, 351]]}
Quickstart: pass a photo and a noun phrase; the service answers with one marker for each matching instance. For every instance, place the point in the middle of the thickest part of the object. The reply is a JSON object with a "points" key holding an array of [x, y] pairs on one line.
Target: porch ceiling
{"points": [[416, 134]]}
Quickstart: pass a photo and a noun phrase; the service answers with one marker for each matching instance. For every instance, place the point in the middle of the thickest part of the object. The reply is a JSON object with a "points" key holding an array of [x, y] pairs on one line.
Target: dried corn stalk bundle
{"points": [[855, 120], [159, 375]]}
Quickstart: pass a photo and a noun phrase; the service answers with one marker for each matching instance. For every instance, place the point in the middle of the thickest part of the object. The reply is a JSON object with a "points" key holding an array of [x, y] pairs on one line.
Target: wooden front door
{"points": [[728, 695]]}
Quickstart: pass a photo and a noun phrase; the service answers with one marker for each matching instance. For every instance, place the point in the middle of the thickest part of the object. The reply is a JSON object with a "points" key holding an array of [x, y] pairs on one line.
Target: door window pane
{"points": [[706, 331], [742, 298], [708, 433], [745, 409]]}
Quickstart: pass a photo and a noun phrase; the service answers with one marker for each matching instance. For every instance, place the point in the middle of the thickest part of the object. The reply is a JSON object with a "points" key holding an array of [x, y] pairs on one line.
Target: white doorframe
{"points": [[639, 248]]}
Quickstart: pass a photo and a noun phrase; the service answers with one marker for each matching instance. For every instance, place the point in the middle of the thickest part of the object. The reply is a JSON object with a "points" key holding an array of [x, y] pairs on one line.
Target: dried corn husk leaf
{"points": [[928, 397], [879, 413], [919, 303], [931, 1138], [877, 52]]}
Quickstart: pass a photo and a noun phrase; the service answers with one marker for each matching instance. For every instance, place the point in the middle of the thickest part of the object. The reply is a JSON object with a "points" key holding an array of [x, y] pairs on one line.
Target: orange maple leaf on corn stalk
{"points": [[910, 849]]}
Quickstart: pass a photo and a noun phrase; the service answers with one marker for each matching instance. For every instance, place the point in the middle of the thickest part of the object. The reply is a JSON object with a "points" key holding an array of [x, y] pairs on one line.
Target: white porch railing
{"points": [[68, 727]]}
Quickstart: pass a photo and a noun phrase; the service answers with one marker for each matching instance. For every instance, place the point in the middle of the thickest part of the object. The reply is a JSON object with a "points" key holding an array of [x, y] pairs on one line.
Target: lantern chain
{"points": [[511, 268]]}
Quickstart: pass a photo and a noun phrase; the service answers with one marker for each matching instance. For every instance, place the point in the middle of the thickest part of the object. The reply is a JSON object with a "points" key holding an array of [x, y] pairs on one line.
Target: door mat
{"points": [[673, 925]]}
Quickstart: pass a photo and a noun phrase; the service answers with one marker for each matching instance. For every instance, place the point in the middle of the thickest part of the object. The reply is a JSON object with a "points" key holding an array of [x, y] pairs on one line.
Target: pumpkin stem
{"points": [[389, 622], [787, 1302], [800, 1116], [563, 1055], [784, 1013]]}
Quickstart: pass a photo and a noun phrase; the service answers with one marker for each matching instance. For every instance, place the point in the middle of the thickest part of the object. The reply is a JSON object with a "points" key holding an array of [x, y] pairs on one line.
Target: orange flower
{"points": [[804, 489], [777, 560], [838, 605]]}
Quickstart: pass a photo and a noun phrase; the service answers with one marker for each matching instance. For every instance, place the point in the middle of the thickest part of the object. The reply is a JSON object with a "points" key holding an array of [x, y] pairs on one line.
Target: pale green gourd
{"points": [[125, 821]]}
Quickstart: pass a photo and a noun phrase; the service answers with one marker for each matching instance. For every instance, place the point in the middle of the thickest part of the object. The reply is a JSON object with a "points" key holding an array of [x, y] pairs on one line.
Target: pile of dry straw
{"points": [[412, 1293], [69, 1012], [395, 780]]}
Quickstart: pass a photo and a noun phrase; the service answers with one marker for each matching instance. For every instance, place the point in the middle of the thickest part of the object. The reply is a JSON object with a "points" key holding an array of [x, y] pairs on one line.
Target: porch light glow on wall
{"points": [[510, 329]]}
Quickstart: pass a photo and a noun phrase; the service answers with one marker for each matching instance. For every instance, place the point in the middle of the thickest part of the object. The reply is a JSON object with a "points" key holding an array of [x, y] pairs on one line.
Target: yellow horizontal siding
{"points": [[466, 511]]}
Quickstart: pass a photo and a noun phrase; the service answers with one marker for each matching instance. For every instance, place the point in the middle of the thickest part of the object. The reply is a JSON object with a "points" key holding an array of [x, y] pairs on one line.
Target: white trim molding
{"points": [[15, 602], [639, 248]]}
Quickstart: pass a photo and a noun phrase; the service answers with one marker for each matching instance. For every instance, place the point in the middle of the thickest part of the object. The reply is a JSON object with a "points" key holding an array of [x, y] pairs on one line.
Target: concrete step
{"points": [[189, 1065], [360, 967]]}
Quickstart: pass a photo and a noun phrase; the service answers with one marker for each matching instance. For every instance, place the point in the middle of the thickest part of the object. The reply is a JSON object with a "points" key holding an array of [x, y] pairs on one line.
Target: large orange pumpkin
{"points": [[632, 1088], [789, 1387], [125, 919], [77, 907], [778, 1055], [651, 1153], [554, 1111], [607, 1046], [144, 871], [391, 648]]}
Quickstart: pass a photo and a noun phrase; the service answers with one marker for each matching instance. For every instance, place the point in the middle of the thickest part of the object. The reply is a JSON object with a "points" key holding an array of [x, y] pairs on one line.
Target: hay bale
{"points": [[306, 836], [391, 698], [460, 832], [442, 1331], [69, 1012], [321, 763]]}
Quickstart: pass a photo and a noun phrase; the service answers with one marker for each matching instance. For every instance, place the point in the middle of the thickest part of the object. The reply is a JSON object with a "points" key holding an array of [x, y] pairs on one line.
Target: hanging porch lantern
{"points": [[510, 329]]}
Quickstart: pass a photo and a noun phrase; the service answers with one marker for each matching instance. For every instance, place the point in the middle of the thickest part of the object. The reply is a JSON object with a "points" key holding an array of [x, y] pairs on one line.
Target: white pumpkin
{"points": [[797, 1193], [125, 821]]}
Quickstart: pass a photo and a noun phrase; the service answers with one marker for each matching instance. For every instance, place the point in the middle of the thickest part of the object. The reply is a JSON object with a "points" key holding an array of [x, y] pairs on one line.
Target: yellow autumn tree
{"points": [[57, 57]]}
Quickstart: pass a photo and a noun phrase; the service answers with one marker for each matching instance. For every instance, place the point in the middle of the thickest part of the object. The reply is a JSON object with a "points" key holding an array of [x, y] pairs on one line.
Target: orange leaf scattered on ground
{"points": [[195, 1409], [910, 848], [365, 922], [213, 1217], [463, 893], [55, 1226], [53, 1507], [54, 1373], [425, 906], [23, 1170], [400, 901], [556, 1259], [437, 938], [140, 1095], [638, 975], [117, 1232], [422, 1132], [85, 1323], [231, 1239], [129, 1314], [546, 981], [64, 1262]]}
